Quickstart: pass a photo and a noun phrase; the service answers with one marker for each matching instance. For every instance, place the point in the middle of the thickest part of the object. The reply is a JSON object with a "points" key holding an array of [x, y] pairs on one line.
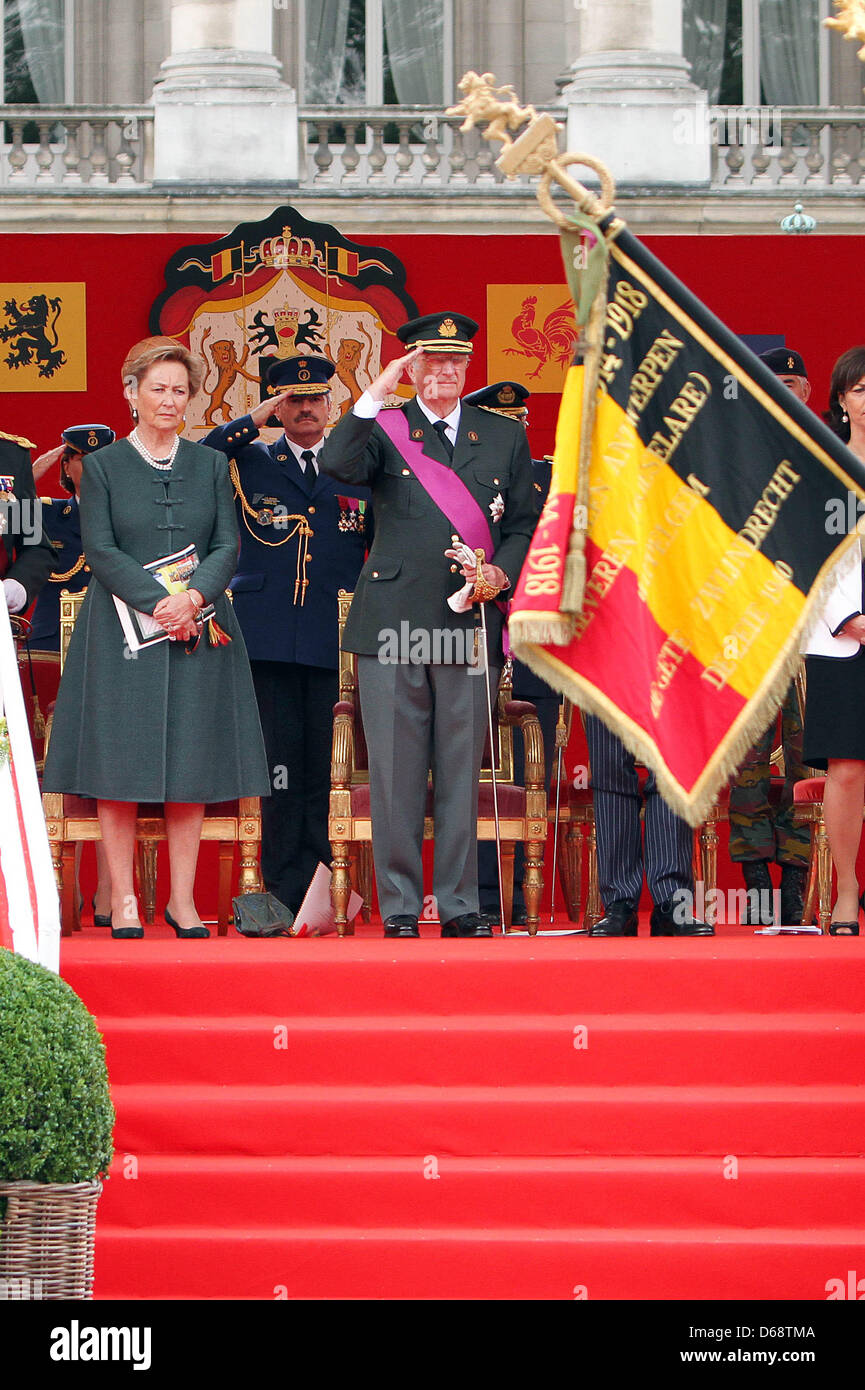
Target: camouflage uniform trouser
{"points": [[757, 830]]}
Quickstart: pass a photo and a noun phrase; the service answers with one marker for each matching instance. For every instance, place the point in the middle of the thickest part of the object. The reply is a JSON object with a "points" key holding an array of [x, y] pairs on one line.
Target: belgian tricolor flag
{"points": [[690, 530]]}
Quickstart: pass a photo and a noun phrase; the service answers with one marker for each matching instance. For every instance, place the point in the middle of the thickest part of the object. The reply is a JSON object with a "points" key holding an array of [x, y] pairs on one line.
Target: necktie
{"points": [[440, 427], [309, 472]]}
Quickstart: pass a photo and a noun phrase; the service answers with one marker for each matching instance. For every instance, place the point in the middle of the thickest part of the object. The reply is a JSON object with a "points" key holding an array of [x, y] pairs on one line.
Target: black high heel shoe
{"points": [[185, 931], [847, 928], [124, 933], [99, 918]]}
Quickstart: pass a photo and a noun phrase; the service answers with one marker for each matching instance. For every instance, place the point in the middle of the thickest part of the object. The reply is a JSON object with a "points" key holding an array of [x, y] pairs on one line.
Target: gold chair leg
{"points": [[570, 870], [811, 887], [340, 886], [594, 911], [223, 892], [147, 878], [533, 883], [824, 877], [508, 848], [364, 876]]}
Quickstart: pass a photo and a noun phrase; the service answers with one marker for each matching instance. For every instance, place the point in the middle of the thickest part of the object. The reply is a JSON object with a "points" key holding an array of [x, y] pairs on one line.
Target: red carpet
{"points": [[480, 1119]]}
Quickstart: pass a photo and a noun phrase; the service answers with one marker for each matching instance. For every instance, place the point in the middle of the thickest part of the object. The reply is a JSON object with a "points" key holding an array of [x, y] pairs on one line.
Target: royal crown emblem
{"points": [[448, 329], [507, 395]]}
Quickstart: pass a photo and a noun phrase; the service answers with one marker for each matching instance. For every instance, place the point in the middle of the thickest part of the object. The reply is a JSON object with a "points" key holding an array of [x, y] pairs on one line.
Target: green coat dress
{"points": [[160, 724]]}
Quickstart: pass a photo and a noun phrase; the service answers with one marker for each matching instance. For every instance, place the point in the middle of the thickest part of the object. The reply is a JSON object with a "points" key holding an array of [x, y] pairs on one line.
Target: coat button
{"points": [[455, 539], [312, 510], [496, 481], [86, 569], [375, 574], [406, 472], [453, 569]]}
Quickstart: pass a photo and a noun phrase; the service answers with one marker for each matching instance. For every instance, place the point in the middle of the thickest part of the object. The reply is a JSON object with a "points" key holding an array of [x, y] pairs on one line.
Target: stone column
{"points": [[631, 102], [221, 112]]}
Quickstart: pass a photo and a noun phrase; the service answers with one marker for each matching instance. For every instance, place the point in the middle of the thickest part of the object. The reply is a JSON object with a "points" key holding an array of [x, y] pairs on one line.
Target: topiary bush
{"points": [[56, 1115]]}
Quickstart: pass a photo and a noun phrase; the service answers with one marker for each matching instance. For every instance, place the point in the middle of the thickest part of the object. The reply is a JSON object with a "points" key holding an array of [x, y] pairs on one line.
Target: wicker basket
{"points": [[46, 1239]]}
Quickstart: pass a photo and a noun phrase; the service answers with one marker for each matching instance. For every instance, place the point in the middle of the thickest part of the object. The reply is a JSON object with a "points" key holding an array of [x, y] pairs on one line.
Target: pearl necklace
{"points": [[162, 464]]}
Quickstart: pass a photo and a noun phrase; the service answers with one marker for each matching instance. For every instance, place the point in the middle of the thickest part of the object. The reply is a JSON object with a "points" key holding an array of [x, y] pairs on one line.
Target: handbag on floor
{"points": [[261, 914]]}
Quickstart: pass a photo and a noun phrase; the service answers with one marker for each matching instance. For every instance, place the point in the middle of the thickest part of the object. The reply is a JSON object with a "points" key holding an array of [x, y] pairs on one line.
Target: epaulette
{"points": [[548, 458], [18, 439], [46, 501], [502, 414]]}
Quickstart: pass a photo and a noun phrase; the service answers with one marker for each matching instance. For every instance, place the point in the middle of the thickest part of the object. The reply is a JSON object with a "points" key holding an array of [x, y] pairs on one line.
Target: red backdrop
{"points": [[797, 286]]}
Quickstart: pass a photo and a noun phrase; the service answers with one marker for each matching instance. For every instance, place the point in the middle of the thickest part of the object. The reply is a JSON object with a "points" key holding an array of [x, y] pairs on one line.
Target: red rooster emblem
{"points": [[554, 342]]}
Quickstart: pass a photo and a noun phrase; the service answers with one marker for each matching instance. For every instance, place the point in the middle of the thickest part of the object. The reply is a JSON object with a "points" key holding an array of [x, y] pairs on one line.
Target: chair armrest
{"points": [[523, 713], [342, 748]]}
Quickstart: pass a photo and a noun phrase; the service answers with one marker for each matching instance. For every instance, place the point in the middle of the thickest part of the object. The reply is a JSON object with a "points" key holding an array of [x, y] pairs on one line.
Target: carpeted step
{"points": [[327, 978], [467, 1120], [586, 1262], [635, 1048], [424, 1191]]}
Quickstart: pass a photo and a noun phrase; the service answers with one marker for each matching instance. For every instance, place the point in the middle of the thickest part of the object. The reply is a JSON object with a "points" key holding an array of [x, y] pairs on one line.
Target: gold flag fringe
{"points": [[693, 806]]}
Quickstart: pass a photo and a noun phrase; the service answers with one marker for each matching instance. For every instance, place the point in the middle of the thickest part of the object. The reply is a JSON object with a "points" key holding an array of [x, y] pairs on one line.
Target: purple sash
{"points": [[446, 489], [449, 493]]}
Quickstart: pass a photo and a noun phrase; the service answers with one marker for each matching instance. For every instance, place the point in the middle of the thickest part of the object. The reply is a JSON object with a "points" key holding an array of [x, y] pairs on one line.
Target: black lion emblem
{"points": [[33, 338]]}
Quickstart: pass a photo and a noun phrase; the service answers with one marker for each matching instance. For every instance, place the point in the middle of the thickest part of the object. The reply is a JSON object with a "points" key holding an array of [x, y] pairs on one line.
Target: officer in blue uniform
{"points": [[62, 525], [510, 398], [302, 539]]}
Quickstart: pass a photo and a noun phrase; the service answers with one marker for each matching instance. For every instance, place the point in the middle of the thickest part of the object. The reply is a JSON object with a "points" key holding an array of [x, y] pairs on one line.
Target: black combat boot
{"points": [[792, 894], [758, 910]]}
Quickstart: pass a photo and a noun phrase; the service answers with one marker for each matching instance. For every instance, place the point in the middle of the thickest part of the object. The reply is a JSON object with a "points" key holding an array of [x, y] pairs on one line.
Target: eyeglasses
{"points": [[438, 364]]}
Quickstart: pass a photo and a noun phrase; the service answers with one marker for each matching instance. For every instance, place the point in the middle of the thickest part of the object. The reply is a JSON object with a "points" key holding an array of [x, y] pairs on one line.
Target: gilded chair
{"points": [[522, 807], [71, 820]]}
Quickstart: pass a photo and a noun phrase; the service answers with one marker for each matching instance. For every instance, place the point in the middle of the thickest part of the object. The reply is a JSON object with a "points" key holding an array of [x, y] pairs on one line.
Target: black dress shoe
{"points": [[620, 919], [669, 919], [401, 925], [184, 931], [843, 928], [468, 924]]}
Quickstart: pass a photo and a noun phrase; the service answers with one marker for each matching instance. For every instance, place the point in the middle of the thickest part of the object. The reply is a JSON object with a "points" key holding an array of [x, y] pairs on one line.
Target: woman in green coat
{"points": [[175, 722]]}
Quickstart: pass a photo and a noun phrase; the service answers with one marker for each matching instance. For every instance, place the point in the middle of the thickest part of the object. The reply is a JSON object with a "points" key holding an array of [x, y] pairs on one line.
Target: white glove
{"points": [[461, 601], [15, 595]]}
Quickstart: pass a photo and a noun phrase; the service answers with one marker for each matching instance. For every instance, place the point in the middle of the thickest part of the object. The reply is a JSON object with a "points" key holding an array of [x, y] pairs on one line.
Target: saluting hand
{"points": [[389, 378]]}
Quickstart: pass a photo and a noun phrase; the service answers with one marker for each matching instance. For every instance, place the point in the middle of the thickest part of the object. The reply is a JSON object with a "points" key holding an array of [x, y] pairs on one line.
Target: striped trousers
{"points": [[624, 856]]}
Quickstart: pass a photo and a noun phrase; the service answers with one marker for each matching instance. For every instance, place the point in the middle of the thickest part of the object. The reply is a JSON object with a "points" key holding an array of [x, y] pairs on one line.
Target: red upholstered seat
{"points": [[511, 800], [810, 789]]}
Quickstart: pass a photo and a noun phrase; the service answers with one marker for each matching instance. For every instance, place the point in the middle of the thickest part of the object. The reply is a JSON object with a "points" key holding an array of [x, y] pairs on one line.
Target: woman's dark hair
{"points": [[849, 369]]}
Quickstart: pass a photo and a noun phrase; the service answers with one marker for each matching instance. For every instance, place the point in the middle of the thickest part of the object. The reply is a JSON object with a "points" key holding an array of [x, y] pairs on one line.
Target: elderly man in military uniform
{"points": [[26, 557], [760, 833], [510, 398], [301, 541], [62, 523], [446, 478]]}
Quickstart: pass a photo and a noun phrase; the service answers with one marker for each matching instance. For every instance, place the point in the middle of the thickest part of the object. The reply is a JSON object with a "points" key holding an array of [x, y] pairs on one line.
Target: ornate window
{"points": [[377, 52], [37, 51], [758, 52]]}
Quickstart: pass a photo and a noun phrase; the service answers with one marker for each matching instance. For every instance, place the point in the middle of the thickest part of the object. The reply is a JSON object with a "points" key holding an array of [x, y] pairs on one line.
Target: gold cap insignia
{"points": [[92, 439], [791, 362], [303, 375], [448, 329], [507, 395]]}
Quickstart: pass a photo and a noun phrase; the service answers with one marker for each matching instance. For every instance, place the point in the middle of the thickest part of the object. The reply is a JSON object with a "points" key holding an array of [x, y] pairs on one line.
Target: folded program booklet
{"points": [[174, 573]]}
